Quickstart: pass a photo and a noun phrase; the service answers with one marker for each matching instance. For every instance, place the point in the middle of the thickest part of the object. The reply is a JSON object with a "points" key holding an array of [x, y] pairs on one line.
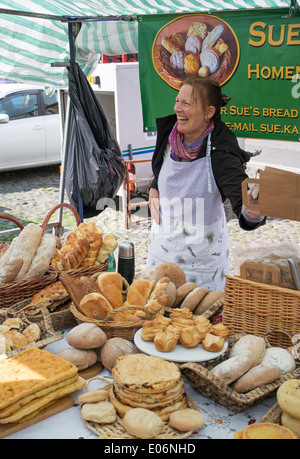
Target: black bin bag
{"points": [[95, 168]]}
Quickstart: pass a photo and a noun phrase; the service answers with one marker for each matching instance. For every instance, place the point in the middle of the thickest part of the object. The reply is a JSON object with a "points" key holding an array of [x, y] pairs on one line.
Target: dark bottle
{"points": [[126, 261]]}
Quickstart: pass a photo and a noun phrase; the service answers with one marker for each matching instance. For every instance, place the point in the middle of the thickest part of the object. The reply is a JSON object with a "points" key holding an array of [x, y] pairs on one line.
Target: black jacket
{"points": [[227, 158]]}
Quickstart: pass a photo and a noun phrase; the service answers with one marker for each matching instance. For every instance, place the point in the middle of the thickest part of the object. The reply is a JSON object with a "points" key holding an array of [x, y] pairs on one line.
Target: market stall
{"points": [[169, 355]]}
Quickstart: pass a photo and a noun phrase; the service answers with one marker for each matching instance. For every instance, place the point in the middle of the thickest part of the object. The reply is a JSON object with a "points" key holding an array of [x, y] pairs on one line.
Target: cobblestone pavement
{"points": [[30, 194]]}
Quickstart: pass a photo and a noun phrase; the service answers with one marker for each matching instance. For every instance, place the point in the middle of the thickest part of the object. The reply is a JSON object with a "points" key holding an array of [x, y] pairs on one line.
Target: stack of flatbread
{"points": [[142, 381], [31, 381]]}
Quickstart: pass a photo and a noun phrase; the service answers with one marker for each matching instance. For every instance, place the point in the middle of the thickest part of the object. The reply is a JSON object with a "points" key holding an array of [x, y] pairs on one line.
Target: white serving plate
{"points": [[180, 353]]}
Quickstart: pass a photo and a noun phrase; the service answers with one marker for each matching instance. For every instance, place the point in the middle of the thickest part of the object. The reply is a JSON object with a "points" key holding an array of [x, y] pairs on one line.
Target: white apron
{"points": [[193, 229]]}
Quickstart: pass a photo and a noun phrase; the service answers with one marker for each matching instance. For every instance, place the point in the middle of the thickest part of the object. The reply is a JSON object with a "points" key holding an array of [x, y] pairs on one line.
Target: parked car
{"points": [[30, 130]]}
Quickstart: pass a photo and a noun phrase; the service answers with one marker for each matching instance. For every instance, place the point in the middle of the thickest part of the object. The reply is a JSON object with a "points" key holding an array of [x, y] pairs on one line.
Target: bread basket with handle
{"points": [[116, 329], [13, 292], [204, 381], [80, 271], [48, 334]]}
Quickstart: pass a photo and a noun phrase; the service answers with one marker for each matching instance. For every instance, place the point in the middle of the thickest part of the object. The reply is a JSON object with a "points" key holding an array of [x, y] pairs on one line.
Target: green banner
{"points": [[254, 55]]}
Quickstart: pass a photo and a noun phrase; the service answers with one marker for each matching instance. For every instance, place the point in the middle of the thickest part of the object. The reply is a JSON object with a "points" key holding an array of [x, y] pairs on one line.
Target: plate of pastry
{"points": [[162, 346]]}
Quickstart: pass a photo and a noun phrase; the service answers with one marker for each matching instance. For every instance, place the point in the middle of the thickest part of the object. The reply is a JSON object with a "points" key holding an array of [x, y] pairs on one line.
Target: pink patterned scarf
{"points": [[179, 150]]}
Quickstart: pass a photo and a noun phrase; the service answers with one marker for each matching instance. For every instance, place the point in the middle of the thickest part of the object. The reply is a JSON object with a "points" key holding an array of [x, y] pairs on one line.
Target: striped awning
{"points": [[34, 34]]}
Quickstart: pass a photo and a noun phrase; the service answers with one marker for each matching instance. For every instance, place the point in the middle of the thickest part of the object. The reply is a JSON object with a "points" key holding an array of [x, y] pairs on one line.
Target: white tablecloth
{"points": [[220, 422]]}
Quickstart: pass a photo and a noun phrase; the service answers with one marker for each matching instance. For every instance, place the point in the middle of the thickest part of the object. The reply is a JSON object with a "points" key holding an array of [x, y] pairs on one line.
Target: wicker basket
{"points": [[206, 383], [116, 431], [60, 320], [114, 329], [48, 336], [254, 308], [13, 292], [86, 271]]}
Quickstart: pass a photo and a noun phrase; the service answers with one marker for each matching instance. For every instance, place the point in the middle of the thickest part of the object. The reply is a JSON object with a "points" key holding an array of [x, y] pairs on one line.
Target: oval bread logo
{"points": [[195, 44]]}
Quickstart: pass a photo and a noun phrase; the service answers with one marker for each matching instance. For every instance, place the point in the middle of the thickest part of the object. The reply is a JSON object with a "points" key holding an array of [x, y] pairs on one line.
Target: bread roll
{"points": [[86, 336], [82, 359], [288, 397], [95, 305], [115, 348], [280, 358], [232, 369], [256, 377], [250, 346]]}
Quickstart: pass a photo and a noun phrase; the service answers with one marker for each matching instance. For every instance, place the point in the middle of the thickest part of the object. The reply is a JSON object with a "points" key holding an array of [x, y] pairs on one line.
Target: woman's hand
{"points": [[250, 214], [154, 204]]}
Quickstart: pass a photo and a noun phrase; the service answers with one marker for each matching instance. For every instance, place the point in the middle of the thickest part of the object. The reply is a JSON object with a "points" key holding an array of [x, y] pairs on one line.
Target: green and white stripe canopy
{"points": [[35, 34]]}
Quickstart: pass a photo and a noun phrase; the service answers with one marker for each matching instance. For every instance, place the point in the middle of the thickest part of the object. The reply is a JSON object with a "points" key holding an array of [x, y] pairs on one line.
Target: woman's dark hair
{"points": [[209, 92]]}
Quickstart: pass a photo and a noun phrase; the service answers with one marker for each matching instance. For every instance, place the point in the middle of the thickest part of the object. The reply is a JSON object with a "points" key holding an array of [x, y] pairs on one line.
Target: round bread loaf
{"points": [[250, 346], [208, 300], [142, 423], [192, 300], [288, 397], [81, 358], [186, 420], [290, 422], [172, 271], [280, 358], [95, 305], [115, 348], [256, 377], [232, 369], [183, 291], [101, 412], [86, 336]]}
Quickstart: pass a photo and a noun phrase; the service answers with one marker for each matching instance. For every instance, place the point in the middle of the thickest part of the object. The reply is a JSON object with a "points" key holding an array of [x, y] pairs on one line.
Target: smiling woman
{"points": [[29, 127], [197, 164]]}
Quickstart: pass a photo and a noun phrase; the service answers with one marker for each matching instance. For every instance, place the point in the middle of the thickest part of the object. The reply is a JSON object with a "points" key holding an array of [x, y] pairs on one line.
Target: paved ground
{"points": [[29, 195]]}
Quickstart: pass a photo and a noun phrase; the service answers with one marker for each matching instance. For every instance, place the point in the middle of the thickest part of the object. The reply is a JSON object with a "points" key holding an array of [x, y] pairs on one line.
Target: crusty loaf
{"points": [[256, 377], [26, 246], [139, 292], [250, 346], [72, 253], [93, 234], [232, 369], [109, 245], [42, 258], [111, 286]]}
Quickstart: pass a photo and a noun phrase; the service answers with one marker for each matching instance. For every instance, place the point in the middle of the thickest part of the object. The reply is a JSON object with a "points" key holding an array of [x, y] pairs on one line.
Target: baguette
{"points": [[256, 377], [26, 246], [42, 258]]}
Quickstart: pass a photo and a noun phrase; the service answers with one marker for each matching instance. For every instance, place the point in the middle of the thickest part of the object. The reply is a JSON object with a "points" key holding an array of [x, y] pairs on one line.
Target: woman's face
{"points": [[191, 114]]}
